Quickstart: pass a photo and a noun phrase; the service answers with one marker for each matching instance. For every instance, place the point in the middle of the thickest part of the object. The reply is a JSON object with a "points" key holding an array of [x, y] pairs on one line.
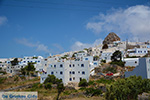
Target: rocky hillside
{"points": [[111, 37]]}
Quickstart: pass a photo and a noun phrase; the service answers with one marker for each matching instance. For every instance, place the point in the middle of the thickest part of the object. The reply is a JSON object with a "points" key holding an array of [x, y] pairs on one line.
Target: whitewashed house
{"points": [[26, 60], [132, 62], [69, 71], [143, 69], [137, 52]]}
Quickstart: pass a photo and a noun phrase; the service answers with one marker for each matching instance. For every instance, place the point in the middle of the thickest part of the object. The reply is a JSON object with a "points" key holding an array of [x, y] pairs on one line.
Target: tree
{"points": [[117, 56], [60, 88], [83, 83], [27, 70], [105, 46], [48, 86], [50, 79], [14, 62]]}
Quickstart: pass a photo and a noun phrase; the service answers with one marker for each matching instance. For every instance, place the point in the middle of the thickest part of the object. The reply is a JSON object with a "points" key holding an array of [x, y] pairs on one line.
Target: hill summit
{"points": [[111, 37]]}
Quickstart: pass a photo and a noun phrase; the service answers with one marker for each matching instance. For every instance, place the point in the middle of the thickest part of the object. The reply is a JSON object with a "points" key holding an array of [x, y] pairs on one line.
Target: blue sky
{"points": [[40, 27]]}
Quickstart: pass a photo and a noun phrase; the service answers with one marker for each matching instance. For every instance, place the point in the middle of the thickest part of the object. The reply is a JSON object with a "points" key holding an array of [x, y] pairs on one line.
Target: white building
{"points": [[14, 69], [131, 62], [26, 60], [69, 71], [137, 52], [94, 51], [107, 53], [143, 69]]}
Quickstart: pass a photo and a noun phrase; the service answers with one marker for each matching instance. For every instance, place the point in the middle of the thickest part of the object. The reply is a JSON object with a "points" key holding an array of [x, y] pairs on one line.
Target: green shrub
{"points": [[23, 78], [3, 72], [48, 86], [104, 81], [82, 88], [16, 78], [83, 83], [40, 85], [111, 69], [119, 63], [2, 80], [66, 92], [93, 92], [103, 61], [91, 83], [127, 89]]}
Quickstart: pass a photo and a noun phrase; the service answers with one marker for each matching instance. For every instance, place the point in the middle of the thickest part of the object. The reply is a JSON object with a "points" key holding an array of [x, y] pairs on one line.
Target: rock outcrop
{"points": [[111, 37]]}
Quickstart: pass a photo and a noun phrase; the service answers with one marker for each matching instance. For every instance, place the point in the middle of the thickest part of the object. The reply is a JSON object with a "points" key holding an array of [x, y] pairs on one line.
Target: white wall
{"points": [[131, 61], [72, 71], [142, 69]]}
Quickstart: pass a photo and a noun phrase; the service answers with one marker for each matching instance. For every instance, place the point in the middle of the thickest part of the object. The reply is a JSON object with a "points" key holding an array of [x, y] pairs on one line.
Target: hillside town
{"points": [[112, 59], [73, 66]]}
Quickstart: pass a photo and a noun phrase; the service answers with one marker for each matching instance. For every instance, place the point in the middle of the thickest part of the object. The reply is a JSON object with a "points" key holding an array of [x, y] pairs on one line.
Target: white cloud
{"points": [[80, 46], [25, 42], [42, 47], [133, 21], [39, 46], [3, 20], [59, 47]]}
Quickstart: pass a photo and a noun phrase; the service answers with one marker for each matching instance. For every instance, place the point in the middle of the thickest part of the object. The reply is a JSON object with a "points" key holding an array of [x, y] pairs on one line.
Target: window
{"points": [[45, 64], [61, 72], [52, 73], [73, 65], [70, 65], [70, 79], [95, 63], [70, 72], [73, 72], [86, 58], [24, 61], [38, 61], [55, 66], [80, 78], [61, 65], [135, 61], [83, 72], [82, 65], [73, 78], [78, 71]]}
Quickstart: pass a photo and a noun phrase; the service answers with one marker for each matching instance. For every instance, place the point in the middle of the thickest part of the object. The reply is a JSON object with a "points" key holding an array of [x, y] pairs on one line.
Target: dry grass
{"points": [[85, 98], [9, 82]]}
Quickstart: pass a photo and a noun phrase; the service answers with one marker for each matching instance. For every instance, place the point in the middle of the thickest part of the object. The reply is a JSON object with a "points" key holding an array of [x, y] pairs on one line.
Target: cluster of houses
{"points": [[73, 66]]}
